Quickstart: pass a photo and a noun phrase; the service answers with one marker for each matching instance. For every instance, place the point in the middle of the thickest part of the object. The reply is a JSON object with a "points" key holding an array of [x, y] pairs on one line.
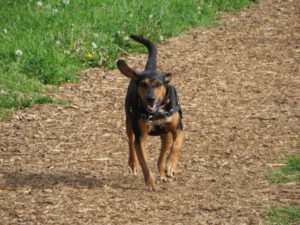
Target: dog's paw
{"points": [[150, 183], [165, 179], [133, 170], [170, 170], [152, 188]]}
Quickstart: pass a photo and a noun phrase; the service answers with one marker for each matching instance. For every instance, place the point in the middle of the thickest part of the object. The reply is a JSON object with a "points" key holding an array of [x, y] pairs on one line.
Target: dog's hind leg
{"points": [[166, 142], [132, 161]]}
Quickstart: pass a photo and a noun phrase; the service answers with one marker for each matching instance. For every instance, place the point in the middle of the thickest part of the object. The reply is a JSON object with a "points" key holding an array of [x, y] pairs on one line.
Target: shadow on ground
{"points": [[34, 180]]}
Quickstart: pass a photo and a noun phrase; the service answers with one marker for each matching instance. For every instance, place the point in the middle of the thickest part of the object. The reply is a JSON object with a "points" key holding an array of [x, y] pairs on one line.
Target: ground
{"points": [[239, 88]]}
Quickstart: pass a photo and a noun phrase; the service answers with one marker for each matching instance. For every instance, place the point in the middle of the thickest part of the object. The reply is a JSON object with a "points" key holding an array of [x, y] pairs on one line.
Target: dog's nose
{"points": [[150, 99]]}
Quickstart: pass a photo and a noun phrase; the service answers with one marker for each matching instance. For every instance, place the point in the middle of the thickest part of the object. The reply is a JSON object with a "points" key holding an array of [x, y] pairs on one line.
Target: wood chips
{"points": [[239, 88]]}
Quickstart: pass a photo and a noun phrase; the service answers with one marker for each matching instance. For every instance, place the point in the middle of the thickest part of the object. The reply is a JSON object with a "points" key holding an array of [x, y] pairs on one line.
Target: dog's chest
{"points": [[158, 127]]}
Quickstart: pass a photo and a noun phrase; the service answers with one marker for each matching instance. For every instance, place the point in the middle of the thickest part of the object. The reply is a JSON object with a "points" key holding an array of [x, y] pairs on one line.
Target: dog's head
{"points": [[151, 85]]}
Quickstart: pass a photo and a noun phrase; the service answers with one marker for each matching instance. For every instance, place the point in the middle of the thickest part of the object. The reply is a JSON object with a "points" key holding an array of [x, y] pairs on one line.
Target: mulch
{"points": [[239, 88]]}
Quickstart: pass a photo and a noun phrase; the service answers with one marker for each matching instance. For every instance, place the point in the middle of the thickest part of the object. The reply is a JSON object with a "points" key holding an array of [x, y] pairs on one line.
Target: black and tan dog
{"points": [[152, 108]]}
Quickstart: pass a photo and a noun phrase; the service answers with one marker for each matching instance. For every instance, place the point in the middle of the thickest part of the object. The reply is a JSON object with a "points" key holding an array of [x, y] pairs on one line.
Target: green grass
{"points": [[289, 173], [11, 101], [57, 40], [283, 216]]}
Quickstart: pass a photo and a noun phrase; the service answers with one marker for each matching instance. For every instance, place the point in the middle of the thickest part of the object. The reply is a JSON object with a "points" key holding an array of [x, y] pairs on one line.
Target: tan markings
{"points": [[173, 139], [178, 137], [174, 153], [172, 125], [156, 82], [132, 161], [159, 90], [166, 142], [142, 90], [142, 154]]}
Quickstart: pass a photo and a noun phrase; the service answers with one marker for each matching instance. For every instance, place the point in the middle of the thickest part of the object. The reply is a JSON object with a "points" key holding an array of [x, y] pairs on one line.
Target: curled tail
{"points": [[151, 62]]}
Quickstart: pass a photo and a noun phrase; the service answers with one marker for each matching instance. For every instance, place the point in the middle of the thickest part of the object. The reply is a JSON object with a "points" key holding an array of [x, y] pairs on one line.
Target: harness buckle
{"points": [[143, 117], [150, 118]]}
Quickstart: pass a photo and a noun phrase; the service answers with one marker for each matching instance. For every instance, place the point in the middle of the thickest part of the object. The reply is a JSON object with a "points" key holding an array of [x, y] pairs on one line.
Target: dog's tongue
{"points": [[152, 107]]}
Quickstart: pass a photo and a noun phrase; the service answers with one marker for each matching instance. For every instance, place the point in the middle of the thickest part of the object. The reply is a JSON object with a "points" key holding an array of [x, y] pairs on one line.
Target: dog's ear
{"points": [[126, 70], [168, 77]]}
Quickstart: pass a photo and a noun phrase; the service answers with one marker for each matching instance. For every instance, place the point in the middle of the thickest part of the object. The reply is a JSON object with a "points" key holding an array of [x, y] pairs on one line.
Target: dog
{"points": [[152, 108]]}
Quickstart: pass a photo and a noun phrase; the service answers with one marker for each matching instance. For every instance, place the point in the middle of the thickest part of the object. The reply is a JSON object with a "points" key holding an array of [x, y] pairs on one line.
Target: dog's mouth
{"points": [[152, 107]]}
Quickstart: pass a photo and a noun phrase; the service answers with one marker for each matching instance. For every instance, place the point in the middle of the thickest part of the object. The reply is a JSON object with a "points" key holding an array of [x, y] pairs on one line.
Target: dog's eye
{"points": [[143, 85], [157, 85]]}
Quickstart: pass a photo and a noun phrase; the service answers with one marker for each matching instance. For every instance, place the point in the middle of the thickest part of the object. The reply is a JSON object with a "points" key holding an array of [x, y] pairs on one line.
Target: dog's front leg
{"points": [[166, 142], [140, 151], [132, 161], [140, 147], [174, 154]]}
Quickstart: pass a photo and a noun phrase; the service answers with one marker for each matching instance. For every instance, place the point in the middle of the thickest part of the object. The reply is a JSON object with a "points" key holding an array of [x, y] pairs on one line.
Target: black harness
{"points": [[167, 108]]}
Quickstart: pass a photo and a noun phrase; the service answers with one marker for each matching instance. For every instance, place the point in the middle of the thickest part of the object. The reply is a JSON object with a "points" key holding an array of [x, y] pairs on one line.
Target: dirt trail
{"points": [[240, 89]]}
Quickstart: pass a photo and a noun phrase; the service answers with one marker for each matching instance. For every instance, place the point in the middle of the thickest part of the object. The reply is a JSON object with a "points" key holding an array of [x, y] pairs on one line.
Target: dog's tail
{"points": [[151, 62]]}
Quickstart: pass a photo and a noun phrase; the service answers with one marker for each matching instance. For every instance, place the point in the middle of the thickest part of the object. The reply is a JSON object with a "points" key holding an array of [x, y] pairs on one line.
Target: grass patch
{"points": [[289, 173], [48, 41], [6, 114], [283, 216], [11, 101]]}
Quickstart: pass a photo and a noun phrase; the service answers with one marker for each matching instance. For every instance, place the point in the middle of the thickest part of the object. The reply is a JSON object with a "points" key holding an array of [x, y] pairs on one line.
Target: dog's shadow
{"points": [[12, 180], [43, 181]]}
